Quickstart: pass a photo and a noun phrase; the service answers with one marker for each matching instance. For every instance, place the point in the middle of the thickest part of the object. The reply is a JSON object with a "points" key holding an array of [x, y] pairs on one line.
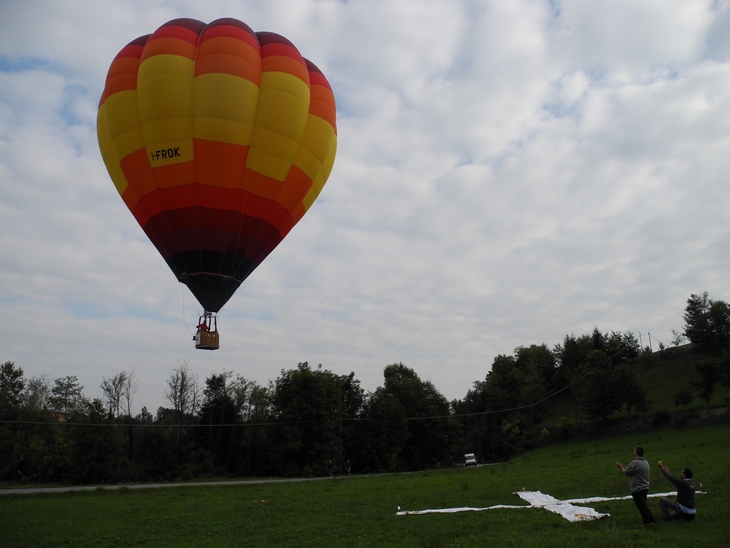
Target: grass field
{"points": [[361, 510]]}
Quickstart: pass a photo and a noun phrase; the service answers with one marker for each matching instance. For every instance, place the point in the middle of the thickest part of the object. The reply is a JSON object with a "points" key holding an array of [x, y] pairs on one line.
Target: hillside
{"points": [[668, 372], [672, 370]]}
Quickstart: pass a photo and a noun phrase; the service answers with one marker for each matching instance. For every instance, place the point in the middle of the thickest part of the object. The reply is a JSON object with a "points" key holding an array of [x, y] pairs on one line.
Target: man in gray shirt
{"points": [[638, 473]]}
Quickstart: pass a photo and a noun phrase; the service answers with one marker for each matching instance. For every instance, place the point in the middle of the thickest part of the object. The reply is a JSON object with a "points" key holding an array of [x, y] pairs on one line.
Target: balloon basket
{"points": [[207, 340]]}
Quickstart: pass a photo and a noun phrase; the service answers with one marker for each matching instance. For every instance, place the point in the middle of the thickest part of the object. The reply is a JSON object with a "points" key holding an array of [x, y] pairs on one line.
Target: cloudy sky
{"points": [[507, 173]]}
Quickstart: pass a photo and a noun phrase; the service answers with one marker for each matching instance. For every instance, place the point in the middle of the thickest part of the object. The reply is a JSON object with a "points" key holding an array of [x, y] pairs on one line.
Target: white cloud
{"points": [[507, 173]]}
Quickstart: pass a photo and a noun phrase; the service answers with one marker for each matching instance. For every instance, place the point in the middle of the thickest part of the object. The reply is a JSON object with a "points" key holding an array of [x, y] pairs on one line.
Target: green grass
{"points": [[361, 511]]}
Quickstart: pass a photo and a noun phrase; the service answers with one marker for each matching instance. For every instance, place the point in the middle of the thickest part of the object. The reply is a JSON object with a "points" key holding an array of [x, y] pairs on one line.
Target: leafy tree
{"points": [[113, 390], [606, 392], [538, 361], [707, 322], [144, 417], [351, 431], [67, 396], [723, 369], [309, 405], [218, 400], [598, 340], [240, 391], [384, 433], [218, 412], [597, 360], [118, 393], [37, 397], [502, 384], [634, 395], [12, 384], [678, 337], [183, 392], [508, 399], [601, 395], [255, 409], [25, 449], [719, 320], [570, 356], [95, 455], [630, 348], [533, 374], [709, 376], [131, 386], [683, 398], [431, 430], [696, 324], [577, 355], [161, 453], [479, 427]]}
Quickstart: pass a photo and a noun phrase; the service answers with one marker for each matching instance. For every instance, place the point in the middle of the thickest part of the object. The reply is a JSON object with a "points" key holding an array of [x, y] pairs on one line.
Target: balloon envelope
{"points": [[218, 139]]}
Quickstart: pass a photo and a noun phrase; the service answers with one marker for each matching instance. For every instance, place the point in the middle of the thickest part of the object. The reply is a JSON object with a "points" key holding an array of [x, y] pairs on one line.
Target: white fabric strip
{"points": [[536, 499]]}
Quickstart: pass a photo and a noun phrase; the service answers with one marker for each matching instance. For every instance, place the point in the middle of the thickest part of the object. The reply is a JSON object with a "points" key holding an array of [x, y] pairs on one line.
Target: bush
{"points": [[683, 398]]}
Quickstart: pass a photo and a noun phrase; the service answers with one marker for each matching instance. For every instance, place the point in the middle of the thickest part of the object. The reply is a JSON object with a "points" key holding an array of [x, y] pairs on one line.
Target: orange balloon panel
{"points": [[218, 139]]}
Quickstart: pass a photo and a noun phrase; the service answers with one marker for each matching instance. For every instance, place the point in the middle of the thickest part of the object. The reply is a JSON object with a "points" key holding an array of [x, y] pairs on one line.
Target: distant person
{"points": [[638, 473], [348, 467], [684, 508]]}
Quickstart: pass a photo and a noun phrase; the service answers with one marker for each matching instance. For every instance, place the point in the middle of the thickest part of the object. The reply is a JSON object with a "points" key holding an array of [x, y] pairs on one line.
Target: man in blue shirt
{"points": [[638, 473], [684, 508]]}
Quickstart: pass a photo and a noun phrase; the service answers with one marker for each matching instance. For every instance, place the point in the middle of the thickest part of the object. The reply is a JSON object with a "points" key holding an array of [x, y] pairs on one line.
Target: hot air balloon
{"points": [[218, 139]]}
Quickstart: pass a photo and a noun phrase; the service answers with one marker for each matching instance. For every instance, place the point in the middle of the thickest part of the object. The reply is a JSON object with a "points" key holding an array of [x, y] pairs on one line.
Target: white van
{"points": [[470, 459]]}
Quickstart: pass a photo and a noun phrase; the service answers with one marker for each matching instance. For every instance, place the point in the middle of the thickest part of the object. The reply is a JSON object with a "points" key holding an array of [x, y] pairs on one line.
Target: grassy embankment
{"points": [[361, 511], [669, 372]]}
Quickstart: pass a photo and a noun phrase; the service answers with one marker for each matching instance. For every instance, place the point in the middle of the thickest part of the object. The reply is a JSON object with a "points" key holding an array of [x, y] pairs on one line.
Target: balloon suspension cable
{"points": [[182, 297]]}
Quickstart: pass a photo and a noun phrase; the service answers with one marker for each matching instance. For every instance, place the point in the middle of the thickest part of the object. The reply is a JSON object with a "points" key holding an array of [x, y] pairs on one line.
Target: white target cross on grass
{"points": [[536, 499]]}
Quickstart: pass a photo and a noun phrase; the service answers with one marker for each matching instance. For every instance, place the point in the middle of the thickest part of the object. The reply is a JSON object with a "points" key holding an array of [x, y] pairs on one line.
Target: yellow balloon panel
{"points": [[128, 142], [165, 88], [224, 107], [267, 164], [314, 146], [321, 179], [121, 113], [166, 130], [222, 131], [283, 106], [225, 96], [111, 160]]}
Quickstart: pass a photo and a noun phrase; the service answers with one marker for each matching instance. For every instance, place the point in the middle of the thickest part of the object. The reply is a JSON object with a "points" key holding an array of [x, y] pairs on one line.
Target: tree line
{"points": [[310, 421]]}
